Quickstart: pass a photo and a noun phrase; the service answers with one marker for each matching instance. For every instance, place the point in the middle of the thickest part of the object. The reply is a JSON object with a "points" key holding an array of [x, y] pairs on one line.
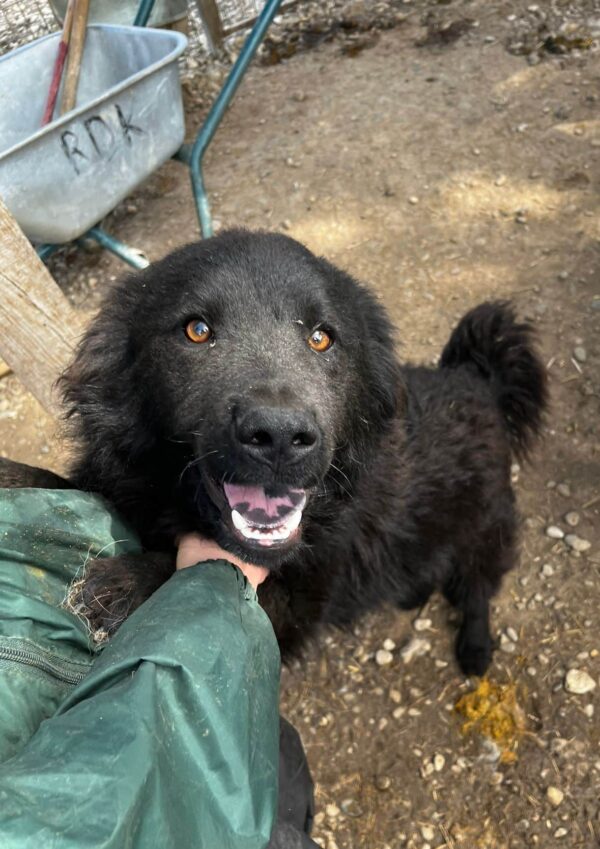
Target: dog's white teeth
{"points": [[238, 520], [294, 521], [277, 534]]}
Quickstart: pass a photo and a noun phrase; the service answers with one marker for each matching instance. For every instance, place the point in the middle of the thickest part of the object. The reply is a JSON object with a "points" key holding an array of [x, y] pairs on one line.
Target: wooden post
{"points": [[209, 12], [38, 326], [78, 26]]}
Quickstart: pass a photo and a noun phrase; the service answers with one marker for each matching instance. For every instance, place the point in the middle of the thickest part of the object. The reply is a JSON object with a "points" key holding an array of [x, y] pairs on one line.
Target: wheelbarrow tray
{"points": [[61, 179]]}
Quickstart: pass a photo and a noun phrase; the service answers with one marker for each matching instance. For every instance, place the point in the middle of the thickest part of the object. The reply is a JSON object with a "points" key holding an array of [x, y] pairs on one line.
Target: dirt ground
{"points": [[443, 174]]}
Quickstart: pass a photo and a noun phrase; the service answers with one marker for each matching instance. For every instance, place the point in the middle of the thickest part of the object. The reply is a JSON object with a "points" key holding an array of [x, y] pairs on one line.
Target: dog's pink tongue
{"points": [[253, 503]]}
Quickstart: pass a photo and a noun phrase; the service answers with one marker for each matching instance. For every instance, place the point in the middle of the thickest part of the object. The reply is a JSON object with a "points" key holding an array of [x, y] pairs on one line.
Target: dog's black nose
{"points": [[277, 434]]}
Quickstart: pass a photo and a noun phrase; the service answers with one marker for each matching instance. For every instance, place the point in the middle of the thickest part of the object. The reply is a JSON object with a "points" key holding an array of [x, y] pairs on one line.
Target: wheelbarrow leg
{"points": [[193, 155], [129, 255]]}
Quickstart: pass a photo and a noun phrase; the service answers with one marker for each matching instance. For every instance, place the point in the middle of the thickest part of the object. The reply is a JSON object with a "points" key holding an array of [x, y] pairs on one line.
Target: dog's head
{"points": [[241, 377]]}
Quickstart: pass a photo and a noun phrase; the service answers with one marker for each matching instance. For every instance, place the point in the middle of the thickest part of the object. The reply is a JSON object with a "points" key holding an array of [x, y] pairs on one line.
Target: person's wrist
{"points": [[194, 549]]}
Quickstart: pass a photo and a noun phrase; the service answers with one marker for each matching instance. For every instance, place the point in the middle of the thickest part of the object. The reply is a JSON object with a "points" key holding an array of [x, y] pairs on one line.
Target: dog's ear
{"points": [[104, 410], [382, 387]]}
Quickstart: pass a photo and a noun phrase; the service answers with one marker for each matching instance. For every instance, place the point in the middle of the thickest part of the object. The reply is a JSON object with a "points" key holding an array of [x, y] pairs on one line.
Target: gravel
{"points": [[579, 682], [383, 657], [415, 648], [555, 796], [577, 543]]}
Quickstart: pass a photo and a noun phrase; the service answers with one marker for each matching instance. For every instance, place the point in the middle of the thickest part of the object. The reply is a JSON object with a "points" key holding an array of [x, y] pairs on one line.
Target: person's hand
{"points": [[193, 549]]}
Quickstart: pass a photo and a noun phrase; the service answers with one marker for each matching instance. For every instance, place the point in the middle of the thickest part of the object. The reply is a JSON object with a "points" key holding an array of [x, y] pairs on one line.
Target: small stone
{"points": [[577, 543], [422, 624], [383, 782], [554, 796], [564, 489], [332, 811], [389, 645], [396, 696], [501, 180], [413, 199], [561, 832], [547, 570], [413, 712], [428, 833], [589, 711], [398, 712], [415, 648], [578, 681], [580, 354], [438, 762], [572, 519], [554, 532], [512, 634], [351, 808], [506, 645], [383, 657]]}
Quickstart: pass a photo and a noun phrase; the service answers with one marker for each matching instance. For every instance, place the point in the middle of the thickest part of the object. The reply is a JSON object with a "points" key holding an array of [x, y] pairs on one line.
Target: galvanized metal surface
{"points": [[60, 180]]}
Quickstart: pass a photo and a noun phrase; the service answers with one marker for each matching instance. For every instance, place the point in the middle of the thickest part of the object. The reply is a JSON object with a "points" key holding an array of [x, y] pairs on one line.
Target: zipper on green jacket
{"points": [[54, 668]]}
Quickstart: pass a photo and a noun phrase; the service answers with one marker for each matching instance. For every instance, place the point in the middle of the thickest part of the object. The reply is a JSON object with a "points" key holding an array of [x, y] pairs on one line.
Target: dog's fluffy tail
{"points": [[503, 351]]}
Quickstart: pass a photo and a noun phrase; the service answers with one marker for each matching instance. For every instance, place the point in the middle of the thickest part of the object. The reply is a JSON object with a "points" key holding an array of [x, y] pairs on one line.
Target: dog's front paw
{"points": [[113, 587], [474, 648]]}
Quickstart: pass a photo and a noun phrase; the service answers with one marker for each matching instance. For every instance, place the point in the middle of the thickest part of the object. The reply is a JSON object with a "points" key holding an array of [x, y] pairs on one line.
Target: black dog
{"points": [[247, 389]]}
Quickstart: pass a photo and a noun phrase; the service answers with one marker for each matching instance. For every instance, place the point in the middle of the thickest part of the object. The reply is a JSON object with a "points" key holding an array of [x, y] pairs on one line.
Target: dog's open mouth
{"points": [[265, 515]]}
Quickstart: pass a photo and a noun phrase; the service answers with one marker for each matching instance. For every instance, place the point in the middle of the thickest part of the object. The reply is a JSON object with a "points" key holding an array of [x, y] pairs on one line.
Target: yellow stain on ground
{"points": [[492, 710]]}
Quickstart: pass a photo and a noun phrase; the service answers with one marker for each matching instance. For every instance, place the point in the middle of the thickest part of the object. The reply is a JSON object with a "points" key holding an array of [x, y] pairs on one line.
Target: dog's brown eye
{"points": [[320, 340], [198, 331]]}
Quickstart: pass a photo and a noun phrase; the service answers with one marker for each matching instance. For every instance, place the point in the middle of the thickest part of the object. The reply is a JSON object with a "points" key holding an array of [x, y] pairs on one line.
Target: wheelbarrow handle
{"points": [[194, 154]]}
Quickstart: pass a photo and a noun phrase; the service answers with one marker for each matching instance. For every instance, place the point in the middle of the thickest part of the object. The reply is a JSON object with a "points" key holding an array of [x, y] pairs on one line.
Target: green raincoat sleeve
{"points": [[170, 736]]}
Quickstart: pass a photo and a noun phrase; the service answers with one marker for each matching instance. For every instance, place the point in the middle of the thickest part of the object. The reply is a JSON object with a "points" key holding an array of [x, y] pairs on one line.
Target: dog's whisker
{"points": [[195, 462]]}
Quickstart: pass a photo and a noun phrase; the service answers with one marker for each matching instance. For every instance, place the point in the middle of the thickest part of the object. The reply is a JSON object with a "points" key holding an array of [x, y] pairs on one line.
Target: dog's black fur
{"points": [[408, 468]]}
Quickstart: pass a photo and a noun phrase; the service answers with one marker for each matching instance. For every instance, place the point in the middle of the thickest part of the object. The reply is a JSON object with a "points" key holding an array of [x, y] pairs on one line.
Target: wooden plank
{"points": [[209, 12], [38, 326]]}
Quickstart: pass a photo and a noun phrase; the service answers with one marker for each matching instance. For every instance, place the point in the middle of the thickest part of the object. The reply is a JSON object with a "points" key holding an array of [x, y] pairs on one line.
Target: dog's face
{"points": [[270, 369]]}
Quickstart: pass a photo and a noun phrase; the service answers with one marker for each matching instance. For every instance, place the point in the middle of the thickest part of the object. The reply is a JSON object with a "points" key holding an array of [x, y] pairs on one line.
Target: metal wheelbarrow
{"points": [[58, 181]]}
